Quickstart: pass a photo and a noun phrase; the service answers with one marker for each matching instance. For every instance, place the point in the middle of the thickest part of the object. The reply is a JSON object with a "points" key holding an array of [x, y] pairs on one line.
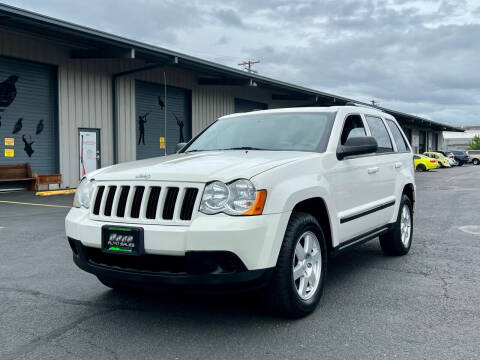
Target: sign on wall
{"points": [[9, 153], [89, 148], [9, 141]]}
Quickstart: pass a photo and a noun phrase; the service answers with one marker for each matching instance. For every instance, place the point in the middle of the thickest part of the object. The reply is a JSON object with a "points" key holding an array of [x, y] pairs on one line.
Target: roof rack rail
{"points": [[352, 103]]}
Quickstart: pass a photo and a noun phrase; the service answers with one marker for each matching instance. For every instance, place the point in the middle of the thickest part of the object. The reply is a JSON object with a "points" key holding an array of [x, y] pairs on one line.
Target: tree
{"points": [[474, 144]]}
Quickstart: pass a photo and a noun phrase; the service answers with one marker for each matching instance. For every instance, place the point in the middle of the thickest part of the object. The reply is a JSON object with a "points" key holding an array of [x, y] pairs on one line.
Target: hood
{"points": [[201, 166]]}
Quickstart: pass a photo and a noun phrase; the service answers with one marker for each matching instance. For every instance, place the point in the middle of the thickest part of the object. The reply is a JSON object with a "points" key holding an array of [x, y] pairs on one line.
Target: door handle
{"points": [[398, 165], [373, 170]]}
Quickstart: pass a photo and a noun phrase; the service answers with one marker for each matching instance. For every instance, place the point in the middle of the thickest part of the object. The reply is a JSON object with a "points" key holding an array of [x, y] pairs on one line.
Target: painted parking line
{"points": [[33, 204]]}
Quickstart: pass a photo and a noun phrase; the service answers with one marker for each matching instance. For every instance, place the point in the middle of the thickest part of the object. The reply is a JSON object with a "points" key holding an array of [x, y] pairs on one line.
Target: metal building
{"points": [[73, 98]]}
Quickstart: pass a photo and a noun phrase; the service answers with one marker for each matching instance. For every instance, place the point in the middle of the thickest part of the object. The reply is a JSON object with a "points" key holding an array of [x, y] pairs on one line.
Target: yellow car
{"points": [[442, 160], [424, 163]]}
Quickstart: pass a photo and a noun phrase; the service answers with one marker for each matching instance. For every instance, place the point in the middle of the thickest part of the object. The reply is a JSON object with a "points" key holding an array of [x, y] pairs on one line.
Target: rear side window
{"points": [[416, 157], [380, 133], [397, 136]]}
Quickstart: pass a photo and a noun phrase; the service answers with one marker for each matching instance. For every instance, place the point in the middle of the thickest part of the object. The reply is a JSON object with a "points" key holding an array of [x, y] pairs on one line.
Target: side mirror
{"points": [[357, 146], [180, 146]]}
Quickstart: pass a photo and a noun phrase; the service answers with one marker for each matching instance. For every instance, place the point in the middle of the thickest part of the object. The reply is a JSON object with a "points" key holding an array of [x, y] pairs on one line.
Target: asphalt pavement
{"points": [[425, 305]]}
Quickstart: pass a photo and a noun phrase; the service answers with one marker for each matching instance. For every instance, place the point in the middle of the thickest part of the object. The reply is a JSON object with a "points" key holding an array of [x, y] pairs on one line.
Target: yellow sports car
{"points": [[442, 160], [424, 163]]}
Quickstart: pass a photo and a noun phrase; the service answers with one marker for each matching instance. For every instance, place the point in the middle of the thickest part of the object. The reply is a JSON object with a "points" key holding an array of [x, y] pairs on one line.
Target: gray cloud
{"points": [[415, 56]]}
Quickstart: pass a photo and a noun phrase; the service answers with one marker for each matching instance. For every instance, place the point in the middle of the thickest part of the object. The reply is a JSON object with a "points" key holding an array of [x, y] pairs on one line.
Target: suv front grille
{"points": [[149, 203]]}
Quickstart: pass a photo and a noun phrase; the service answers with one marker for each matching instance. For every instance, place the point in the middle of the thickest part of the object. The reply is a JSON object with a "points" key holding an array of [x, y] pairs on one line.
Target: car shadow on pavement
{"points": [[202, 306]]}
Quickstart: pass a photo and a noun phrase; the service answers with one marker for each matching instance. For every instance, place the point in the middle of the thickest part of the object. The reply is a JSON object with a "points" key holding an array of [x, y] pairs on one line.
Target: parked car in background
{"points": [[474, 156], [424, 163], [442, 160], [451, 160], [461, 157]]}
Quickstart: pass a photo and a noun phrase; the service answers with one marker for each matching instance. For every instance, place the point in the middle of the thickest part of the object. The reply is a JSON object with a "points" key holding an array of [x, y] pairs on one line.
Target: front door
{"points": [[89, 149]]}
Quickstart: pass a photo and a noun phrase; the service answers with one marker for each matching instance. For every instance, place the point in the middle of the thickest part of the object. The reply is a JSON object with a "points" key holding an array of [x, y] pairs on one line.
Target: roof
{"points": [[322, 109], [60, 30], [457, 135]]}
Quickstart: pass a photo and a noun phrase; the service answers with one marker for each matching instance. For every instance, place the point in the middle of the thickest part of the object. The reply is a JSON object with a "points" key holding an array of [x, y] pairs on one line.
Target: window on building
{"points": [[353, 127], [397, 136], [380, 133]]}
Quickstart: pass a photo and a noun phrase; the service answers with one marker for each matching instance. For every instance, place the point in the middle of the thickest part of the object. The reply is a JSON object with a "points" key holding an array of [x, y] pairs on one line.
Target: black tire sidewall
{"points": [[289, 302]]}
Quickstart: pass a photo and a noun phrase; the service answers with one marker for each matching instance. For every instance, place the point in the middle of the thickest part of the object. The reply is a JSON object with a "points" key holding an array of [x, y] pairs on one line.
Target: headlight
{"points": [[236, 198], [83, 194]]}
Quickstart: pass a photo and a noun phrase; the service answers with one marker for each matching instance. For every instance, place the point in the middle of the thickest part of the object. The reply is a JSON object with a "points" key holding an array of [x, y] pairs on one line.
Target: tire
{"points": [[476, 161], [460, 163], [281, 295], [421, 167], [391, 242]]}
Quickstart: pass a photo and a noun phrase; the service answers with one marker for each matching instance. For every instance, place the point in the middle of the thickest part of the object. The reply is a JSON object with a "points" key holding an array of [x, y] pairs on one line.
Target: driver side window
{"points": [[353, 127]]}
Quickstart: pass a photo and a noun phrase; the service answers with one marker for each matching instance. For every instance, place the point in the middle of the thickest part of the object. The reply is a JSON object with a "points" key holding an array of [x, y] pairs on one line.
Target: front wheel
{"points": [[476, 161], [298, 280], [398, 240]]}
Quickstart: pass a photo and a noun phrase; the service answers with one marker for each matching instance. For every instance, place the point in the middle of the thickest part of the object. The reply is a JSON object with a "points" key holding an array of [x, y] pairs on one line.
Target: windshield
{"points": [[270, 131]]}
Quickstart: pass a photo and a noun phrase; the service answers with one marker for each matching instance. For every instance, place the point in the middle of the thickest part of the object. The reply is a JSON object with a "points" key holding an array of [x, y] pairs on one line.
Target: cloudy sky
{"points": [[421, 57]]}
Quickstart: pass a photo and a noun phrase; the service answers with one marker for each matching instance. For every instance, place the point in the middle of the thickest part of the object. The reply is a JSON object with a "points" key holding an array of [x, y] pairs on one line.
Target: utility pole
{"points": [[248, 65]]}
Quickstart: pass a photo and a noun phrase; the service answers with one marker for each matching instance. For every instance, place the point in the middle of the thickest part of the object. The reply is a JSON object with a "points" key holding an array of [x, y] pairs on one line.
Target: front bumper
{"points": [[255, 240], [202, 270]]}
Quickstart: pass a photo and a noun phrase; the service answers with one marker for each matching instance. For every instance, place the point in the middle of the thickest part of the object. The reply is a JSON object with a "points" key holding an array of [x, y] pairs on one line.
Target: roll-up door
{"points": [[150, 118], [28, 120], [242, 105]]}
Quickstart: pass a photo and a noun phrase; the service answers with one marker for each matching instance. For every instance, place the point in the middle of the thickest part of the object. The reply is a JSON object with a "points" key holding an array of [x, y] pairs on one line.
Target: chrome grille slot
{"points": [[188, 203], [109, 203], [98, 200], [170, 201], [146, 202], [153, 202], [122, 202]]}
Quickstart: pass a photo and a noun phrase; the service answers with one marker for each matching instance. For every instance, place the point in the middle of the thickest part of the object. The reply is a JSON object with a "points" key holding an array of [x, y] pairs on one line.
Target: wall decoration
{"points": [[9, 141], [39, 127], [18, 126], [161, 103], [142, 119], [9, 153], [180, 126], [8, 91], [28, 145]]}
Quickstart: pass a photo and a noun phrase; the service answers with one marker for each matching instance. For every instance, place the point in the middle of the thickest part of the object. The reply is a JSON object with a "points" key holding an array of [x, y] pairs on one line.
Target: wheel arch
{"points": [[409, 190], [317, 207]]}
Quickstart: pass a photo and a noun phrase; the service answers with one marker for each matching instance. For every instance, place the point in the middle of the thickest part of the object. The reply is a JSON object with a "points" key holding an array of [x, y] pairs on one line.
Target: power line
{"points": [[248, 65]]}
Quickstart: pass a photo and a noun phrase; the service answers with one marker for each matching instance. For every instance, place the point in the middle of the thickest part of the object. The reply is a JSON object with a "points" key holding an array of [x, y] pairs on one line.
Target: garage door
{"points": [[242, 105], [28, 122], [150, 118]]}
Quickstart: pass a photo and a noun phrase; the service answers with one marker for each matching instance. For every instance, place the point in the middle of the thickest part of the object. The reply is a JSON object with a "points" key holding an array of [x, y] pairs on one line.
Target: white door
{"points": [[89, 149], [354, 186]]}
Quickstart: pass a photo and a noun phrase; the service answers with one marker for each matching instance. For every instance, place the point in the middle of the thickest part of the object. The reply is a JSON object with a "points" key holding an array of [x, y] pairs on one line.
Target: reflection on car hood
{"points": [[200, 166]]}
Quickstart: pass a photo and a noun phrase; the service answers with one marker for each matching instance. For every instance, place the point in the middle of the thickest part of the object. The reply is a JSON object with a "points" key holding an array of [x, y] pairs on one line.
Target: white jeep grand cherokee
{"points": [[258, 200]]}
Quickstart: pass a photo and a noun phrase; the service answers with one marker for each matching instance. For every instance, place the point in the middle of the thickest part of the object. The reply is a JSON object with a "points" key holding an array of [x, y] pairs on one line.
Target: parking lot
{"points": [[423, 305]]}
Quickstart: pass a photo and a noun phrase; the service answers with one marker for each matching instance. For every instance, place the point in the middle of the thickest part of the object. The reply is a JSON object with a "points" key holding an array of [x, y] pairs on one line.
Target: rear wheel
{"points": [[297, 284], [476, 161], [421, 167], [397, 241]]}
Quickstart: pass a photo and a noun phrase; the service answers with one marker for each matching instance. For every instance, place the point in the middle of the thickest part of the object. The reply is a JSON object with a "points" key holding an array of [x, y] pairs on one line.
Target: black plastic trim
{"points": [[361, 239], [367, 212]]}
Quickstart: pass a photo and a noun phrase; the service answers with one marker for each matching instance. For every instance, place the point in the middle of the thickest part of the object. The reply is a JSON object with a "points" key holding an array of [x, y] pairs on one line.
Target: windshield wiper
{"points": [[244, 148]]}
